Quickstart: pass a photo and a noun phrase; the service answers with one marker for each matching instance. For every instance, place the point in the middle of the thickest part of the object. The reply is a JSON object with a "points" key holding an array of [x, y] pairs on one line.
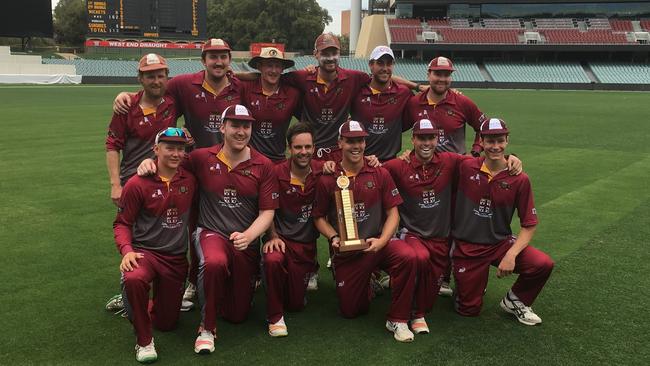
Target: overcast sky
{"points": [[334, 7]]}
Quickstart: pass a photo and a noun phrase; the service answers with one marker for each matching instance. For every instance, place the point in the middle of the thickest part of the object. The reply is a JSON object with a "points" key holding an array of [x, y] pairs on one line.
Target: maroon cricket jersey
{"points": [[450, 115], [155, 216], [293, 220], [484, 210], [272, 115], [381, 115], [200, 108], [325, 109], [134, 133], [374, 192], [230, 201], [427, 193]]}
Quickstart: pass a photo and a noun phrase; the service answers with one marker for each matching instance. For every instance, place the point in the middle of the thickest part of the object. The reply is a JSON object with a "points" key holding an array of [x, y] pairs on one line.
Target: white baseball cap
{"points": [[381, 51]]}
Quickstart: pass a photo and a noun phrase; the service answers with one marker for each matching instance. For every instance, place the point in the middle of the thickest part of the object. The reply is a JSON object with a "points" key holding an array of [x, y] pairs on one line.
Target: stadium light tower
{"points": [[355, 24]]}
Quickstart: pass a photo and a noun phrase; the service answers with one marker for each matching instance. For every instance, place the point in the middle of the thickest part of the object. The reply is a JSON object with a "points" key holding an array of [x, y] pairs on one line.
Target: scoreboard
{"points": [[179, 19]]}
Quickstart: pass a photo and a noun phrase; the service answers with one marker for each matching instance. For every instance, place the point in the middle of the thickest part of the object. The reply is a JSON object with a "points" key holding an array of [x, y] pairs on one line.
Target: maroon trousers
{"points": [[432, 261], [226, 279], [167, 274], [352, 276], [286, 276], [471, 263]]}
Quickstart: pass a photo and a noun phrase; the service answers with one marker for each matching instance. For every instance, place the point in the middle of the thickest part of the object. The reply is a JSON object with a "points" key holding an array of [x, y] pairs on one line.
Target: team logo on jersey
{"points": [[370, 184], [415, 176], [326, 115], [230, 198], [172, 221], [394, 192], [424, 114], [214, 123], [476, 178], [145, 121], [378, 126], [360, 213], [165, 114], [280, 106], [429, 199], [339, 90], [392, 100], [256, 104], [201, 95], [157, 193], [265, 130], [229, 98], [183, 189], [275, 195], [450, 112], [247, 172], [442, 138], [484, 208], [305, 213], [366, 100], [504, 185]]}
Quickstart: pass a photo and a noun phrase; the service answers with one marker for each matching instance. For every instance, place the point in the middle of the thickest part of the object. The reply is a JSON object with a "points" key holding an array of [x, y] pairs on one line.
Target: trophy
{"points": [[345, 216]]}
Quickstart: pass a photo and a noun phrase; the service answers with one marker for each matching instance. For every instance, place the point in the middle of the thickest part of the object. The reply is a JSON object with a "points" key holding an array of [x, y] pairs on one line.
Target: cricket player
{"points": [[289, 252], [132, 133], [485, 203], [375, 205], [272, 103], [425, 181], [380, 106], [239, 194], [450, 111], [152, 234], [201, 97]]}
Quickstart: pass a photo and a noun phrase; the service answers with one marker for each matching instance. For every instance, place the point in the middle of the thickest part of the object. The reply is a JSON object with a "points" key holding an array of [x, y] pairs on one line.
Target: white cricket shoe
{"points": [[278, 329], [204, 343], [146, 354], [312, 285], [401, 331], [445, 289], [190, 292], [523, 313], [419, 326], [115, 303]]}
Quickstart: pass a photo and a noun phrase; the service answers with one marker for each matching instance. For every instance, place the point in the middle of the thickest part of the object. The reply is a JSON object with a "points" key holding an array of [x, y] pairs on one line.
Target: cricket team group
{"points": [[240, 195]]}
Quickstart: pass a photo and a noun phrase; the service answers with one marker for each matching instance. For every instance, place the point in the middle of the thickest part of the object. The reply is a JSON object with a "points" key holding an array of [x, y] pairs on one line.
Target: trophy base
{"points": [[352, 245]]}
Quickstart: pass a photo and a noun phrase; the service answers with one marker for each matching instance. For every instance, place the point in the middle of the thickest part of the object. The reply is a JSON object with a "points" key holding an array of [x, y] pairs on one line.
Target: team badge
{"points": [[339, 90], [450, 112], [247, 172], [370, 185], [228, 98], [394, 192], [280, 106], [392, 100], [275, 196], [183, 189], [165, 114], [504, 185]]}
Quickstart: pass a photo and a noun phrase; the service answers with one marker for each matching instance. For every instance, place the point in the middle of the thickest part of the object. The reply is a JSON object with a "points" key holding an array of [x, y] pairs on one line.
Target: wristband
{"points": [[332, 238]]}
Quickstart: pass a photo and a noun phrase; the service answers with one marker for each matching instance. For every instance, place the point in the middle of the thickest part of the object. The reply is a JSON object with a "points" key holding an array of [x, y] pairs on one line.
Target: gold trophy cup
{"points": [[345, 217]]}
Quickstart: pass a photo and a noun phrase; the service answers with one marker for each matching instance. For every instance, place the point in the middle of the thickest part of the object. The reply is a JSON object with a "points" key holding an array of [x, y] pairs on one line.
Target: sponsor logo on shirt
{"points": [[214, 123], [230, 199], [215, 169], [394, 192], [484, 208], [326, 116], [157, 193]]}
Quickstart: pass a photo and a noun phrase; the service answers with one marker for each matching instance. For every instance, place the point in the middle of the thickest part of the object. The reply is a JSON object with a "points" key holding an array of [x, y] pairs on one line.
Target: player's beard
{"points": [[326, 62]]}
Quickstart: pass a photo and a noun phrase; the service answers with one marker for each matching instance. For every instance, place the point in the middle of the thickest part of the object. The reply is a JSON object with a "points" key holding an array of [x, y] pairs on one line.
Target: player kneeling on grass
{"points": [[376, 200], [152, 234], [486, 200], [289, 252]]}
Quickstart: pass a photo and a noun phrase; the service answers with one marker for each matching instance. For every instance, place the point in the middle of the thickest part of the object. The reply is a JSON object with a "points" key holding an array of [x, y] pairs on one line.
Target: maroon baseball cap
{"points": [[494, 126], [152, 61], [425, 127], [215, 44], [352, 129], [237, 112], [172, 134], [441, 63], [327, 40]]}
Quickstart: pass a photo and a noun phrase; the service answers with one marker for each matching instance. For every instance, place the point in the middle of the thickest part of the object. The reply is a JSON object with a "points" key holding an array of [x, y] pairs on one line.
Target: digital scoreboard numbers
{"points": [[183, 19]]}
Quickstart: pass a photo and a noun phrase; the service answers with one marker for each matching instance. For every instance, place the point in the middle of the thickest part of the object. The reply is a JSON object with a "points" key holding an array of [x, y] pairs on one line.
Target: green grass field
{"points": [[589, 160]]}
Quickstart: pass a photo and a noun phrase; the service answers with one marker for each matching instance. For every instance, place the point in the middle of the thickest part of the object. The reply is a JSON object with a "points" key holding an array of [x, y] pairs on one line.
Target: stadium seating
{"points": [[598, 23], [554, 23], [645, 24], [486, 36], [118, 68], [543, 72], [621, 25], [621, 73], [502, 23], [412, 23], [572, 36], [440, 23], [405, 35]]}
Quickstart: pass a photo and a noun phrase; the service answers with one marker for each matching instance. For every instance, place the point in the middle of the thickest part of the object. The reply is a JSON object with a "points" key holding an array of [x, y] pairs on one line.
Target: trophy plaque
{"points": [[345, 216]]}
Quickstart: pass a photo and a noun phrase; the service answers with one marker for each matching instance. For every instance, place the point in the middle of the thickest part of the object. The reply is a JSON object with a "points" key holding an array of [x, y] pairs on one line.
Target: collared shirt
{"points": [[230, 200], [293, 219], [326, 108], [200, 107], [450, 114], [273, 114], [374, 192], [134, 133], [381, 113], [154, 214], [484, 207], [427, 190]]}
